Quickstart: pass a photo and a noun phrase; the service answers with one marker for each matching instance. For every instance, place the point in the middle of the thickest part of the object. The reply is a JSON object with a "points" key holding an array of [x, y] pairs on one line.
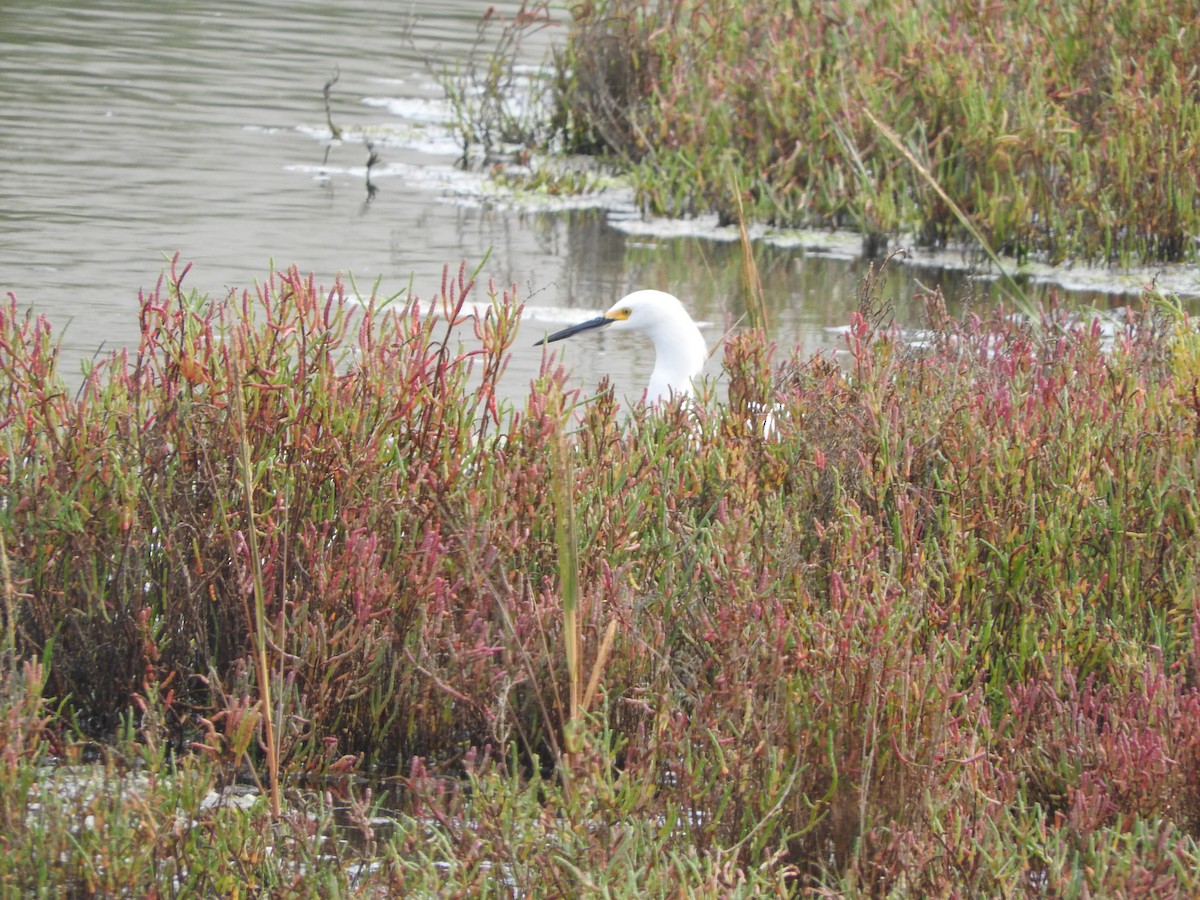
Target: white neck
{"points": [[677, 362]]}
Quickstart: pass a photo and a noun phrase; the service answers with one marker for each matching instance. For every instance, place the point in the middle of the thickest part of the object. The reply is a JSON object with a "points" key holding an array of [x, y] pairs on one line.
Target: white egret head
{"points": [[679, 348]]}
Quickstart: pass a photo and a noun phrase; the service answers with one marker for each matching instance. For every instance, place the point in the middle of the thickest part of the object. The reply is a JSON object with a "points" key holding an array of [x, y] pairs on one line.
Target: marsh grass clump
{"points": [[499, 104], [937, 634], [1067, 131]]}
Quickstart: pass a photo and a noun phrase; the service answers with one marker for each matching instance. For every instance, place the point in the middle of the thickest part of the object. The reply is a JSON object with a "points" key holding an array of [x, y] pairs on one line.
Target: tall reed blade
{"points": [[568, 574], [756, 305], [260, 607]]}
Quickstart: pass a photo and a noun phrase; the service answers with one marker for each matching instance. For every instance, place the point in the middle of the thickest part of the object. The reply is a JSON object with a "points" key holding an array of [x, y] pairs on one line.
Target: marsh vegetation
{"points": [[1062, 131], [938, 633]]}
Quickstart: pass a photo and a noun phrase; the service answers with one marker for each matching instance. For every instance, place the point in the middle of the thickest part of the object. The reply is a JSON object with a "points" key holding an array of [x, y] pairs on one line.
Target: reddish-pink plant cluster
{"points": [[944, 614]]}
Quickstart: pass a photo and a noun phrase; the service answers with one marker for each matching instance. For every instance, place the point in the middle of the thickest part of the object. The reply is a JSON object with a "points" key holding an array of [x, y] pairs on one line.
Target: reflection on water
{"points": [[135, 130]]}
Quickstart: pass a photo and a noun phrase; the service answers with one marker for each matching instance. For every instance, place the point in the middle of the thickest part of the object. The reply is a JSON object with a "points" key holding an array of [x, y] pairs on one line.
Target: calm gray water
{"points": [[130, 131]]}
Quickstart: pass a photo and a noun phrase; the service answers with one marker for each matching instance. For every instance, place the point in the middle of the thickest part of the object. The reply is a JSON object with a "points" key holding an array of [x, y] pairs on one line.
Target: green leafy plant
{"points": [[1021, 128]]}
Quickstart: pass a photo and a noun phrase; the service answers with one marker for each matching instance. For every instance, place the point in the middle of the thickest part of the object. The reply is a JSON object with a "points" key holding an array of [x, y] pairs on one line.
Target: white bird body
{"points": [[679, 348]]}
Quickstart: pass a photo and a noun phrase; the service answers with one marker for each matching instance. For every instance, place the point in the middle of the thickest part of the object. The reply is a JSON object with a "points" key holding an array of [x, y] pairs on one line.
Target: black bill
{"points": [[598, 322]]}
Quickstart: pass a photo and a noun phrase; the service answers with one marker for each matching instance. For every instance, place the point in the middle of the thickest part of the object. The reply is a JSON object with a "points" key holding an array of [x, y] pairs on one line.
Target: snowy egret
{"points": [[679, 348]]}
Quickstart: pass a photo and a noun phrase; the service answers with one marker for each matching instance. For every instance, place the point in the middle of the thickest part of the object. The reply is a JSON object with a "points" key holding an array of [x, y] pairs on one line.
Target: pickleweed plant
{"points": [[1024, 128], [935, 633]]}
